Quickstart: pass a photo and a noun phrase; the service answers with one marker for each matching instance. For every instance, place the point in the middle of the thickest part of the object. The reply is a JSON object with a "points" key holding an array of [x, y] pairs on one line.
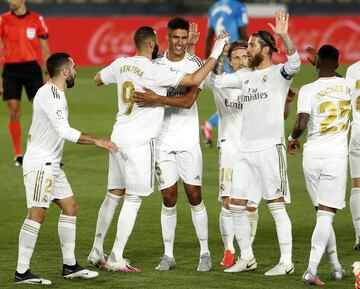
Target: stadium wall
{"points": [[99, 40]]}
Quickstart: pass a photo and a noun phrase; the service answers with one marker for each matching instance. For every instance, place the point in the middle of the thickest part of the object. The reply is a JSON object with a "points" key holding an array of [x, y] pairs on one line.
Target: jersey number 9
{"points": [[127, 96]]}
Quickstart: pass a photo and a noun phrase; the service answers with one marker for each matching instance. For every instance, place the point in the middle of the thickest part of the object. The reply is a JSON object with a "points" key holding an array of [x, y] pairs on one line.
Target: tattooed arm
{"points": [[219, 66]]}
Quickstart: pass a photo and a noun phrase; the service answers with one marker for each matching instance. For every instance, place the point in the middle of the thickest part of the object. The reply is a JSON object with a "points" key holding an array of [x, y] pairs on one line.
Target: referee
{"points": [[20, 32]]}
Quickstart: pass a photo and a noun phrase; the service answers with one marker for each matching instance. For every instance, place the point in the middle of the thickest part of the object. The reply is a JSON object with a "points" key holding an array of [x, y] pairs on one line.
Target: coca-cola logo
{"points": [[111, 41]]}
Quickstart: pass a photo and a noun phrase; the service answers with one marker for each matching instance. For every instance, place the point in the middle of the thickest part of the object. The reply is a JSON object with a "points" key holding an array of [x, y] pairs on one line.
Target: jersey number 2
{"points": [[127, 96], [339, 109]]}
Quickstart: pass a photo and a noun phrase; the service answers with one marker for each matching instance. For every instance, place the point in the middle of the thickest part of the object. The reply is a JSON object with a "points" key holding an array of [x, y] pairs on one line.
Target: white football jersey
{"points": [[229, 107], [263, 97], [180, 129], [353, 72], [328, 101], [138, 125], [49, 128]]}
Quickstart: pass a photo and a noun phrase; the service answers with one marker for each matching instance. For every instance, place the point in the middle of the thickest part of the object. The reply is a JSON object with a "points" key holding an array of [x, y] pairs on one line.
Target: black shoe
{"points": [[18, 161], [76, 271], [29, 278]]}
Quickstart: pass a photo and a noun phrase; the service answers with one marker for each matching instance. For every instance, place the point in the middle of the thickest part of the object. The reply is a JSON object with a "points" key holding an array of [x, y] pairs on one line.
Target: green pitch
{"points": [[93, 110]]}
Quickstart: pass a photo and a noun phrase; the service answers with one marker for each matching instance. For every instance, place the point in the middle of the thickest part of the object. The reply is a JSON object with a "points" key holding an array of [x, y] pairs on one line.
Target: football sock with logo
{"points": [[253, 219], [125, 226], [283, 230], [355, 210], [105, 216], [242, 230], [168, 226], [320, 239], [227, 229], [15, 133], [200, 221], [331, 251], [27, 240], [67, 236]]}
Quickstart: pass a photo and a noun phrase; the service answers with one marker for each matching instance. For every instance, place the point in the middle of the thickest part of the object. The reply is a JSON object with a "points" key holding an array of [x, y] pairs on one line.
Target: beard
{"points": [[70, 81], [155, 52], [255, 60]]}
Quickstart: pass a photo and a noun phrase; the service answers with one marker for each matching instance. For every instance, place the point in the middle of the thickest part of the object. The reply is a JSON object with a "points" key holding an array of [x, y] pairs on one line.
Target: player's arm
{"points": [[292, 66], [209, 39], [55, 109], [195, 79], [149, 97], [97, 79], [290, 97], [45, 50], [299, 127]]}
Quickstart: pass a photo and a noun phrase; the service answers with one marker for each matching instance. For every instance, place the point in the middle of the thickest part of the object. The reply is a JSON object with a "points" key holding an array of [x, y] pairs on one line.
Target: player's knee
{"points": [[117, 192], [226, 202], [71, 210], [37, 216], [169, 198]]}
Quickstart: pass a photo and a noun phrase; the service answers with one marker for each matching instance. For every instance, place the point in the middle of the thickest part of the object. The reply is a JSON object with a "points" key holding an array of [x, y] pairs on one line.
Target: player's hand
{"points": [[281, 22], [148, 97], [106, 144], [292, 94], [219, 45], [293, 147], [311, 55], [194, 34]]}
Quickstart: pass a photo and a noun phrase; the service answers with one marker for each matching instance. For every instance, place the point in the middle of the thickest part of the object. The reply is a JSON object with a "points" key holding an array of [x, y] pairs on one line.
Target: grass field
{"points": [[93, 110]]}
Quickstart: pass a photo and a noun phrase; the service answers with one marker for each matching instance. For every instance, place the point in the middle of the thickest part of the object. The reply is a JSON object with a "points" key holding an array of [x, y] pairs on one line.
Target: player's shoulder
{"points": [[6, 15], [35, 15], [160, 58], [355, 67], [192, 58], [49, 91]]}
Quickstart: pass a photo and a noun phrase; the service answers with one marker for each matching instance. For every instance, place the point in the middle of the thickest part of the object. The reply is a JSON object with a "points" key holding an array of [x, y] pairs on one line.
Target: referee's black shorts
{"points": [[17, 75]]}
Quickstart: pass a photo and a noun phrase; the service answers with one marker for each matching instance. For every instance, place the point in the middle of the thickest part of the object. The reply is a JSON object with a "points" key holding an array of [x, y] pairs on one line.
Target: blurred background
{"points": [[95, 32]]}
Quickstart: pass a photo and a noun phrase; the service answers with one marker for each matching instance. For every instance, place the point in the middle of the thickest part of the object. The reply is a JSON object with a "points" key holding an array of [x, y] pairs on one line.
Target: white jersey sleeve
{"points": [[353, 72], [108, 74], [55, 109], [304, 101], [229, 80], [166, 75], [291, 67]]}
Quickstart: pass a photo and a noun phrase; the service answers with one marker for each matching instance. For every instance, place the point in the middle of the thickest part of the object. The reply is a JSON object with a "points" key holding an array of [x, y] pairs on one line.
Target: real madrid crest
{"points": [[265, 78]]}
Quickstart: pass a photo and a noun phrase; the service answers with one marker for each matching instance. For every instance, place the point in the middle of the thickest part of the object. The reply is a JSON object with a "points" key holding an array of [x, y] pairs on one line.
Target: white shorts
{"points": [[45, 185], [354, 155], [326, 180], [173, 165], [227, 161], [261, 174], [133, 169]]}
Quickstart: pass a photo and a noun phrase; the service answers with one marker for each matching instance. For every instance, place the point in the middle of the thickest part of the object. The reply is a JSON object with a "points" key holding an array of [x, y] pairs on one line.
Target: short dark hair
{"points": [[178, 23], [328, 53], [56, 62], [266, 39], [239, 44], [143, 34]]}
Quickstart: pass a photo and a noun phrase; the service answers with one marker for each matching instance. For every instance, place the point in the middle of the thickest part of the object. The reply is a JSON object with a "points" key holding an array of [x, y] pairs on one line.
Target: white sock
{"points": [[200, 221], [253, 219], [27, 240], [320, 239], [67, 236], [242, 231], [331, 251], [168, 226], [227, 229], [105, 216], [283, 230], [125, 226], [355, 210]]}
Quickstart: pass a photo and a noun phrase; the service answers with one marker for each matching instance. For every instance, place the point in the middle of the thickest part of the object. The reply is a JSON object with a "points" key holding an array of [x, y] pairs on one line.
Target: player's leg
{"points": [[62, 195], [139, 163], [330, 193], [253, 216], [274, 178], [226, 164], [167, 177], [354, 157], [189, 165], [207, 126], [106, 213], [37, 202], [243, 182]]}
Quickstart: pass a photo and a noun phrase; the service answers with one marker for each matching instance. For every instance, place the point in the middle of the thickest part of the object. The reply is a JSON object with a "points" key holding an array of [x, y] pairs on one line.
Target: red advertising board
{"points": [[97, 41]]}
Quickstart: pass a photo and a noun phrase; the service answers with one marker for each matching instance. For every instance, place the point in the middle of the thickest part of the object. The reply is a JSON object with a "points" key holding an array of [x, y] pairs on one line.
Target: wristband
{"points": [[290, 138]]}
